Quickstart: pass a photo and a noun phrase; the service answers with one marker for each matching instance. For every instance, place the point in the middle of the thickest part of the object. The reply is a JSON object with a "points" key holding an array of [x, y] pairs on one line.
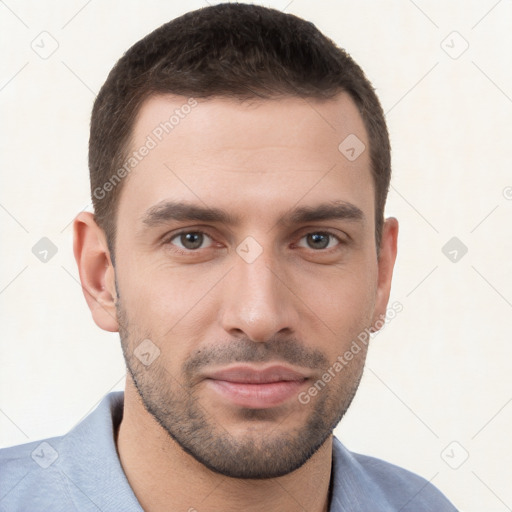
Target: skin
{"points": [[298, 304]]}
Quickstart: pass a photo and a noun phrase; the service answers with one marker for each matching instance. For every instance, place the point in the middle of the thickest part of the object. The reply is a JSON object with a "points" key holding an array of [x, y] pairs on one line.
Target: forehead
{"points": [[266, 155]]}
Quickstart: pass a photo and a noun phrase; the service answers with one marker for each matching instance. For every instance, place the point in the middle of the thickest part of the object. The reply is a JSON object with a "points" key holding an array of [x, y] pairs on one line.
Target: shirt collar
{"points": [[94, 453]]}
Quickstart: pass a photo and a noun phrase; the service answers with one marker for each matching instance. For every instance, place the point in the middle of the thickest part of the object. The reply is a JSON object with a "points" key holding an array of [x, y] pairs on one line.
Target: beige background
{"points": [[438, 385]]}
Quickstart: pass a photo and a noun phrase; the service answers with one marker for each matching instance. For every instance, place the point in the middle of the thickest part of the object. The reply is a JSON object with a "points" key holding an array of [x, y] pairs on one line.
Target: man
{"points": [[239, 167]]}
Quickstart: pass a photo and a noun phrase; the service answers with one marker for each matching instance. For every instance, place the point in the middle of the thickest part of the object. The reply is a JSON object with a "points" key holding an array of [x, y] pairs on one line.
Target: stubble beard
{"points": [[257, 453]]}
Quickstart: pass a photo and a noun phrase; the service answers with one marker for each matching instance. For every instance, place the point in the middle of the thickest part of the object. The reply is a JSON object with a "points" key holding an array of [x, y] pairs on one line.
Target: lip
{"points": [[256, 388]]}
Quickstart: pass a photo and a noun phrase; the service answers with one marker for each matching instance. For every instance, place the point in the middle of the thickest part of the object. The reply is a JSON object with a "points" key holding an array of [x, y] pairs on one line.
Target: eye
{"points": [[320, 240], [189, 240]]}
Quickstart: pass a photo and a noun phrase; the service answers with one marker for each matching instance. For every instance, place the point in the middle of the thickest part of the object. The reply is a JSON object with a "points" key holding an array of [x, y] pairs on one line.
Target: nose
{"points": [[258, 300]]}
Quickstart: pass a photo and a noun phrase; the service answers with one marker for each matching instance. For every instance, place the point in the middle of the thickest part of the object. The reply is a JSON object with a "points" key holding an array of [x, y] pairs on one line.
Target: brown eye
{"points": [[189, 240], [320, 240]]}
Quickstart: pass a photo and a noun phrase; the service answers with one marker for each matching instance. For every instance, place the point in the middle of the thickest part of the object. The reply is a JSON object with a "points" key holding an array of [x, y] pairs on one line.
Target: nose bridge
{"points": [[257, 303], [258, 281]]}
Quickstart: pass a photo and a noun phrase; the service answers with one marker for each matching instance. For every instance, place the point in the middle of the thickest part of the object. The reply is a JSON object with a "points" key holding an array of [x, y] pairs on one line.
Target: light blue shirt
{"points": [[80, 471]]}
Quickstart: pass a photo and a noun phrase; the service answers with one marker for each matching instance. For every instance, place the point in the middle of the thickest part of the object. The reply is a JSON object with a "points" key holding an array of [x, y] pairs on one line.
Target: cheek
{"points": [[169, 302], [344, 302]]}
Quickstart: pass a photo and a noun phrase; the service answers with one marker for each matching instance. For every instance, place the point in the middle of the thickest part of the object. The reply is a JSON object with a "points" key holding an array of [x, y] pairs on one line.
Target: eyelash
{"points": [[188, 252]]}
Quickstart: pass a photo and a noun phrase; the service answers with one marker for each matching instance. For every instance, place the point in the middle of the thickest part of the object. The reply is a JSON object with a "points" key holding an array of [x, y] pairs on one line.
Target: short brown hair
{"points": [[230, 50]]}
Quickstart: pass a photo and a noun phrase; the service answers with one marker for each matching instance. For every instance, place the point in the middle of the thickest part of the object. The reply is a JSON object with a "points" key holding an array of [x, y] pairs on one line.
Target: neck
{"points": [[165, 478]]}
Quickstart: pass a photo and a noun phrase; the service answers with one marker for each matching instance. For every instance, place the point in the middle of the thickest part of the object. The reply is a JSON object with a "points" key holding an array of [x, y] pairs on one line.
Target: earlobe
{"points": [[96, 270], [386, 263]]}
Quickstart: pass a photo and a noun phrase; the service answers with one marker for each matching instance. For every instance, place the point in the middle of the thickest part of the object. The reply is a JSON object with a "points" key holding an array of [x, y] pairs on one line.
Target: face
{"points": [[245, 267]]}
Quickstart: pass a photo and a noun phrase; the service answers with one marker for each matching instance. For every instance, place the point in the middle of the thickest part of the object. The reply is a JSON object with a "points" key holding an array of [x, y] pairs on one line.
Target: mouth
{"points": [[249, 387]]}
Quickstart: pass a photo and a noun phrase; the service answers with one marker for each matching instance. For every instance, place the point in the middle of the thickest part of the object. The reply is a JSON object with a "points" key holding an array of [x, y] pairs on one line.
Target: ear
{"points": [[386, 263], [96, 270]]}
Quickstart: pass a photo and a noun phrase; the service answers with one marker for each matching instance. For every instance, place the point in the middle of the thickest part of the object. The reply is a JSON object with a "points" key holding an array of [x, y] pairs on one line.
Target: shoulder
{"points": [[390, 487], [69, 472], [24, 458], [26, 468]]}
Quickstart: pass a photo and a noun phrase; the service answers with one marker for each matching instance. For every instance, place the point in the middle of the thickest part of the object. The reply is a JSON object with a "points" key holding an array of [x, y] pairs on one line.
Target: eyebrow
{"points": [[167, 211], [336, 210]]}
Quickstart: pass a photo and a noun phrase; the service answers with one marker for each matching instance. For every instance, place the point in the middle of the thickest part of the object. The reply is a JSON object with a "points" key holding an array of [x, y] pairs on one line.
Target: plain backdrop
{"points": [[437, 391]]}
